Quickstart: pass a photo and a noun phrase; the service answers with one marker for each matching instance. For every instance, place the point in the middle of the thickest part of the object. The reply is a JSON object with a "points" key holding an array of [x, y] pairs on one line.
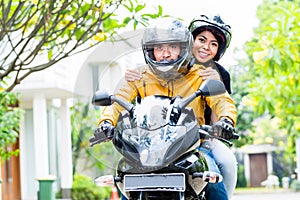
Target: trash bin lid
{"points": [[46, 178]]}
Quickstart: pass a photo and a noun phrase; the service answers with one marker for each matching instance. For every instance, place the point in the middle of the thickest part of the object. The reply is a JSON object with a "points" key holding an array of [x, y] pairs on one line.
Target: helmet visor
{"points": [[157, 35]]}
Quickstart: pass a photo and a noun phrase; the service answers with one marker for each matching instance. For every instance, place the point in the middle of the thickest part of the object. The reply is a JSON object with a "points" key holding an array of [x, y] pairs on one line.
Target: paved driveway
{"points": [[268, 195]]}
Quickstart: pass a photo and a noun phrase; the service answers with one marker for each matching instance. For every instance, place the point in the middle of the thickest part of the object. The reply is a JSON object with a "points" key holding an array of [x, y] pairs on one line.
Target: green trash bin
{"points": [[46, 188]]}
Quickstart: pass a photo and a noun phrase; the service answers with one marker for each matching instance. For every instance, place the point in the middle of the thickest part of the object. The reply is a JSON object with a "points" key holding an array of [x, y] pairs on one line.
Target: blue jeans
{"points": [[225, 161], [214, 191], [227, 164], [123, 197]]}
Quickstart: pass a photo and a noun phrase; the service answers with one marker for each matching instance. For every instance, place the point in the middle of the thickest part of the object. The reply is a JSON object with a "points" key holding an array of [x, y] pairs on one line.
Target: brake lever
{"points": [[235, 136], [98, 138]]}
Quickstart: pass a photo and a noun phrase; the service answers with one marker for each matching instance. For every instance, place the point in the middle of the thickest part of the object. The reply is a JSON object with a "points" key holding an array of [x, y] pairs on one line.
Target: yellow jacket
{"points": [[150, 84]]}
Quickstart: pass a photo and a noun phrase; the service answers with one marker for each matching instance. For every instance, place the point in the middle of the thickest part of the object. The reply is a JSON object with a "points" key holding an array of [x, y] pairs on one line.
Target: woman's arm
{"points": [[208, 73]]}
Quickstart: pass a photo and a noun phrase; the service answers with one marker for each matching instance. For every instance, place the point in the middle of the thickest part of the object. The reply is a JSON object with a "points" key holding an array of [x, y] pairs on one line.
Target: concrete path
{"points": [[267, 195]]}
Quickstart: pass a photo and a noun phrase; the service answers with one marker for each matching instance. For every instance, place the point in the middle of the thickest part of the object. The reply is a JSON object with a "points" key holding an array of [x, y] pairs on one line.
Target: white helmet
{"points": [[168, 31]]}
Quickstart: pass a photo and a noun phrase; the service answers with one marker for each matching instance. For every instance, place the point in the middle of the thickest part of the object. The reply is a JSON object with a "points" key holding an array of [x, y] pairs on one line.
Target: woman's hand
{"points": [[209, 73], [132, 75]]}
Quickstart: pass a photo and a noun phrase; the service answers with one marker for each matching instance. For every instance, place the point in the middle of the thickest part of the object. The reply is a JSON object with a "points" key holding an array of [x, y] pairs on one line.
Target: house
{"points": [[46, 97], [258, 162], [45, 135]]}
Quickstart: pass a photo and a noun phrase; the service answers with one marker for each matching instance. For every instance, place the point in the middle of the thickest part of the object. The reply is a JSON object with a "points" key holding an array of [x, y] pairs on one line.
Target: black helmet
{"points": [[168, 31], [217, 27]]}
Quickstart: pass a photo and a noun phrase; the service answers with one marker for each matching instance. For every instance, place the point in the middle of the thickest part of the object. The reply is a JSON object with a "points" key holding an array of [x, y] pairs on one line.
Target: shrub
{"points": [[84, 188], [295, 186], [241, 180]]}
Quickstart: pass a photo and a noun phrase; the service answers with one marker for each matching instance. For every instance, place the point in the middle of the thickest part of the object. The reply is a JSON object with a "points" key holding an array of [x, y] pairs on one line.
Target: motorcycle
{"points": [[158, 139]]}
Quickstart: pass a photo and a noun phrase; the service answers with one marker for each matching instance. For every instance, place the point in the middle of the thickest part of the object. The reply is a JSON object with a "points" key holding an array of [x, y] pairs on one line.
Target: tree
{"points": [[36, 34], [274, 57], [56, 29], [9, 119], [240, 81], [83, 121]]}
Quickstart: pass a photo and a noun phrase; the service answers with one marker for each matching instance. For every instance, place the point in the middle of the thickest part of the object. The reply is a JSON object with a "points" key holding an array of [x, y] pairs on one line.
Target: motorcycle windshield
{"points": [[150, 133], [153, 145]]}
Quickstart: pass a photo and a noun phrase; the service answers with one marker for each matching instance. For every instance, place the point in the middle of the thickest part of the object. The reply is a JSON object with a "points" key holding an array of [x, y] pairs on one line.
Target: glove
{"points": [[224, 128], [107, 128]]}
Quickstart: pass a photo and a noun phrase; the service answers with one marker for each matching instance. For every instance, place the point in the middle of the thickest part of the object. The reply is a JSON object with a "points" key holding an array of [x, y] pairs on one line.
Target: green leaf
{"points": [[126, 20], [160, 10], [50, 53], [139, 8], [130, 7]]}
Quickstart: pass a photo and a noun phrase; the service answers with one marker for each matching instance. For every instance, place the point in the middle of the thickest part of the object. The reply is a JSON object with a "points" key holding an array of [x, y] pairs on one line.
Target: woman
{"points": [[211, 39]]}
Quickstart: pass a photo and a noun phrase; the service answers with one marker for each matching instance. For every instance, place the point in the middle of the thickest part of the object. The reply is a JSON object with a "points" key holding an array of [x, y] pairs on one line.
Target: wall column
{"points": [[247, 168], [40, 136], [65, 150], [269, 163]]}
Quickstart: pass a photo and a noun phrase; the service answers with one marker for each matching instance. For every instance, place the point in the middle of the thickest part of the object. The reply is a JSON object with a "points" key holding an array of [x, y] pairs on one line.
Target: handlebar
{"points": [[204, 130]]}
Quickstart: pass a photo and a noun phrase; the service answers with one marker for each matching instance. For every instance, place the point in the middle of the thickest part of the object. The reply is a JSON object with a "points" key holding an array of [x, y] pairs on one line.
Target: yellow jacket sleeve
{"points": [[224, 107], [111, 113]]}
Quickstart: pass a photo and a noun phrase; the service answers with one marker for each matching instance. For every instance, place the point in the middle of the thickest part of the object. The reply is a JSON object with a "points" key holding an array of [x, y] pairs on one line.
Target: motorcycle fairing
{"points": [[149, 139]]}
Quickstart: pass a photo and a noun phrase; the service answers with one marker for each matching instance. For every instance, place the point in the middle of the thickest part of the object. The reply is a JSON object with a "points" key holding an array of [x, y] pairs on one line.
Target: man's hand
{"points": [[107, 128], [224, 128]]}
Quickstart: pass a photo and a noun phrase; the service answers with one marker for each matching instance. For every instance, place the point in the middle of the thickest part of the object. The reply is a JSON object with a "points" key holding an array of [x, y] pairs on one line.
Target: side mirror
{"points": [[102, 98], [212, 88], [207, 88]]}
